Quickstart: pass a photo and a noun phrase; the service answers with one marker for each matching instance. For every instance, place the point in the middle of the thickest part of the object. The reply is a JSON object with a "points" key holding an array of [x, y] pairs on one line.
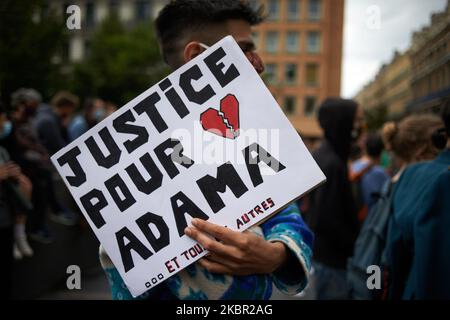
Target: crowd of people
{"points": [[384, 204], [30, 132]]}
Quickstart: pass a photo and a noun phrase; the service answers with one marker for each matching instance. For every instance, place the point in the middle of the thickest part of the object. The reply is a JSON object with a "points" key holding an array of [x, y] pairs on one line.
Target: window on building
{"points": [[310, 106], [114, 7], [271, 73], [315, 10], [143, 10], [312, 74], [90, 14], [289, 104], [313, 42], [272, 42], [273, 10], [291, 73], [293, 10], [292, 42]]}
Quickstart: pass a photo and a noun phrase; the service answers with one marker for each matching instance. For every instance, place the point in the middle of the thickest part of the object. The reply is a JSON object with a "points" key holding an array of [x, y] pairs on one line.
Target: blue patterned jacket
{"points": [[195, 282]]}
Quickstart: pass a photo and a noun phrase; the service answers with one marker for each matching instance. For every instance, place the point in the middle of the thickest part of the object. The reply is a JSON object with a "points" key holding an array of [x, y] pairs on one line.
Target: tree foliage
{"points": [[31, 36], [122, 62]]}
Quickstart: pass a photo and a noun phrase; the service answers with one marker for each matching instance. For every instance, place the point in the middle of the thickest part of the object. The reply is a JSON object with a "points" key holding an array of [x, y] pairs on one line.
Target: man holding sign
{"points": [[153, 234]]}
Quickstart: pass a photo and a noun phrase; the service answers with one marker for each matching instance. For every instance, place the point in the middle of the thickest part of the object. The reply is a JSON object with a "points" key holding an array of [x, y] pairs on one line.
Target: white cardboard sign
{"points": [[209, 141]]}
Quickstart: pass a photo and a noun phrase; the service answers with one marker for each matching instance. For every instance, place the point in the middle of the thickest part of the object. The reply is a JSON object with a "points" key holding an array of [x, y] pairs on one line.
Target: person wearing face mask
{"points": [[332, 214], [367, 174], [93, 112], [6, 129], [417, 256]]}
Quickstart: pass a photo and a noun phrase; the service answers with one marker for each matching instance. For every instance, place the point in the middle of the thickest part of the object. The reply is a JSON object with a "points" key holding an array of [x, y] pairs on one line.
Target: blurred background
{"points": [[392, 57]]}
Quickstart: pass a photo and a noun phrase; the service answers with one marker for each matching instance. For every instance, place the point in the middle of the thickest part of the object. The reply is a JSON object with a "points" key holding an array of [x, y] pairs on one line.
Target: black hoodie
{"points": [[332, 214]]}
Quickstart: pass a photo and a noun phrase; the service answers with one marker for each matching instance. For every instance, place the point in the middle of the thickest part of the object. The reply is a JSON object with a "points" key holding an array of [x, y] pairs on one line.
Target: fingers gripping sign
{"points": [[236, 253]]}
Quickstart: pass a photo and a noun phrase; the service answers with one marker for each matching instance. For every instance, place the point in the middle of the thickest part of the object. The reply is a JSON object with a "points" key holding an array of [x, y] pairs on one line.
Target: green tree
{"points": [[121, 64], [31, 37]]}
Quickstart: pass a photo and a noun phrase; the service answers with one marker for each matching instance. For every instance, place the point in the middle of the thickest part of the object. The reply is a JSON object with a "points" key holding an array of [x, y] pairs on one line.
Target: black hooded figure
{"points": [[333, 214]]}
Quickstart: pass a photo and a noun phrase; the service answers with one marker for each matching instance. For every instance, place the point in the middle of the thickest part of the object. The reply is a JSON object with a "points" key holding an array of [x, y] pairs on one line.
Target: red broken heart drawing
{"points": [[225, 122]]}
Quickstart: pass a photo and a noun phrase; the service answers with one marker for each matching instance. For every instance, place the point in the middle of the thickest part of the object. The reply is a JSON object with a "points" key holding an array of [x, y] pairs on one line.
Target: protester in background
{"points": [[409, 141], [358, 165], [418, 244], [51, 121], [10, 174], [277, 253], [6, 235], [332, 214], [386, 163], [28, 99], [93, 112], [369, 175], [19, 188], [24, 149], [110, 108], [24, 146]]}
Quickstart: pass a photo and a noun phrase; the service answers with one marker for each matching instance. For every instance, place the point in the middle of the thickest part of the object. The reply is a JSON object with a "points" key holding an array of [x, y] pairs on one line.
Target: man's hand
{"points": [[4, 174], [9, 170], [236, 253], [13, 170]]}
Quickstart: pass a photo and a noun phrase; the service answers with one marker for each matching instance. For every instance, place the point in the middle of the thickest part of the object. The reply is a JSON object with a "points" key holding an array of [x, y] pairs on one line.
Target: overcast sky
{"points": [[369, 42]]}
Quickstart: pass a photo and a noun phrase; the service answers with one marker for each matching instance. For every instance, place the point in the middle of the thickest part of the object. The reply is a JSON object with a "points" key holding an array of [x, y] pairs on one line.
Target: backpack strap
{"points": [[386, 189]]}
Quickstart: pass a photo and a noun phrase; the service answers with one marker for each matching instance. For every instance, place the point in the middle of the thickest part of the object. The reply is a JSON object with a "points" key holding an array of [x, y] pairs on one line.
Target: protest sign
{"points": [[208, 142]]}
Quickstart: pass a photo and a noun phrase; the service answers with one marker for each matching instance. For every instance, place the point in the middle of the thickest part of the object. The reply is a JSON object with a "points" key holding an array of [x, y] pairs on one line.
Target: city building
{"points": [[301, 45], [300, 42], [418, 79], [430, 59], [391, 88]]}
